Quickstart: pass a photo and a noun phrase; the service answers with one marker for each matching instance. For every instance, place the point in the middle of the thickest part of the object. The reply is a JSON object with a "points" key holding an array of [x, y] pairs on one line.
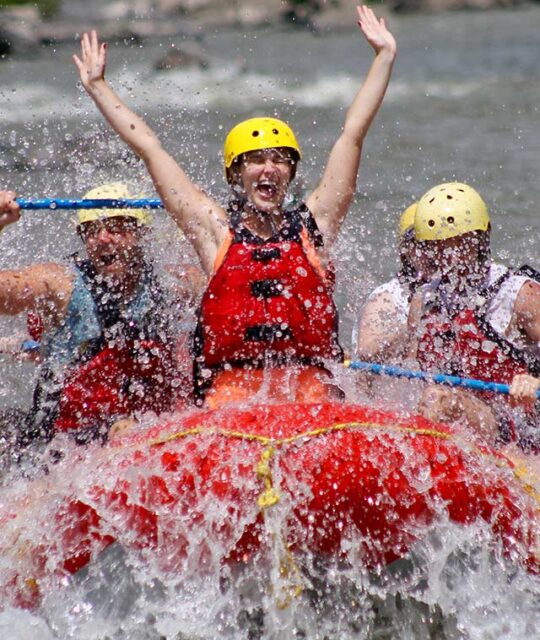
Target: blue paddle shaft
{"points": [[99, 203], [438, 378], [30, 346]]}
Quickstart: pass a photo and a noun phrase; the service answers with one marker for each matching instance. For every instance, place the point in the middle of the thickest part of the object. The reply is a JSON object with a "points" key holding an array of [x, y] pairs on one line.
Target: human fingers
{"points": [[430, 401], [373, 30], [103, 56], [524, 388], [85, 46], [94, 43], [9, 208], [367, 17], [78, 62], [8, 201]]}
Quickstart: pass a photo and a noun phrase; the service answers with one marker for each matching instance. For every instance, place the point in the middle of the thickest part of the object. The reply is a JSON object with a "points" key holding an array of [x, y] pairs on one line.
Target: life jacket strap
{"points": [[268, 288], [267, 333]]}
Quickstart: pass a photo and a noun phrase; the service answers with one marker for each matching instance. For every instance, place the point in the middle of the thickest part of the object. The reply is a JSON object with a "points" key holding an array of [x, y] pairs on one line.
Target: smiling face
{"points": [[265, 175], [114, 247]]}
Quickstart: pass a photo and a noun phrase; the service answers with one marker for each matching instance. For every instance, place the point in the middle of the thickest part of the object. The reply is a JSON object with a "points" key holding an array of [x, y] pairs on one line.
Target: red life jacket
{"points": [[114, 383], [269, 302], [128, 367], [34, 326], [466, 345]]}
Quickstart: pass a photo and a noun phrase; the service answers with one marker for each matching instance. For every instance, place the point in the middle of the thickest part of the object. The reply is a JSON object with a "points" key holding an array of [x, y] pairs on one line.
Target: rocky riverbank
{"points": [[23, 30]]}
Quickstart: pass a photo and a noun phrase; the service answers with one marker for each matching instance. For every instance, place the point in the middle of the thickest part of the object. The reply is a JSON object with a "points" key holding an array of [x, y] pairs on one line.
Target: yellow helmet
{"points": [[255, 134], [449, 210], [406, 220], [111, 191]]}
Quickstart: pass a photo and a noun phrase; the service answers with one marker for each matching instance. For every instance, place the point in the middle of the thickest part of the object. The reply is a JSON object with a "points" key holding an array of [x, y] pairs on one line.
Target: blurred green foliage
{"points": [[47, 8]]}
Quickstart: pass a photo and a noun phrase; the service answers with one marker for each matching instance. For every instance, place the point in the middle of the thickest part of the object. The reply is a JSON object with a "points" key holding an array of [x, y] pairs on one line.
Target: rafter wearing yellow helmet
{"points": [[449, 210], [256, 134], [259, 227], [477, 319]]}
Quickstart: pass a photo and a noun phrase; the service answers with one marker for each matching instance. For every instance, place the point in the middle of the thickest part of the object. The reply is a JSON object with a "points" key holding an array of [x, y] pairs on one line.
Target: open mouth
{"points": [[108, 259], [266, 189]]}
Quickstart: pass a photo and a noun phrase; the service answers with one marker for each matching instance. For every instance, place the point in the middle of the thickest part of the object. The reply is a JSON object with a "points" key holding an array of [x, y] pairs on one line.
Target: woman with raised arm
{"points": [[268, 306]]}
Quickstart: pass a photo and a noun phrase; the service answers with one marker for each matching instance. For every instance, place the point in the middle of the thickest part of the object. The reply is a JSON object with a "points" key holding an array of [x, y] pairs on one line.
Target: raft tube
{"points": [[315, 475]]}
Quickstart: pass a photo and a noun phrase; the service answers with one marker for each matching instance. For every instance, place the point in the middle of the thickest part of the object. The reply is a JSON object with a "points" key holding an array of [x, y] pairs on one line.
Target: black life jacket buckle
{"points": [[265, 254], [267, 333], [269, 288]]}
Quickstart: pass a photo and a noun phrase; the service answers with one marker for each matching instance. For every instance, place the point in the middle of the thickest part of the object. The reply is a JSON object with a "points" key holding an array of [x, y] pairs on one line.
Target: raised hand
{"points": [[375, 31], [93, 59], [9, 208]]}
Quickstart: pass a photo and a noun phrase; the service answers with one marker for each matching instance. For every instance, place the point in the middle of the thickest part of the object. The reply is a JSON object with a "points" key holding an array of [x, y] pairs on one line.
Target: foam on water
{"points": [[455, 582], [227, 87]]}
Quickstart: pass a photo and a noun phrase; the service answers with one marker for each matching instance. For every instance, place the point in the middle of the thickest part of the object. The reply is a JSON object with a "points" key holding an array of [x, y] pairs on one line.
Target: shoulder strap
{"points": [[222, 251], [528, 360], [529, 272], [310, 224], [493, 289], [297, 219]]}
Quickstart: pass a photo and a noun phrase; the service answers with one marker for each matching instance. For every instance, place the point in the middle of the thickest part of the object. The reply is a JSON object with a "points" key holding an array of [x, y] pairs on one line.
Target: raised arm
{"points": [[331, 199], [201, 219]]}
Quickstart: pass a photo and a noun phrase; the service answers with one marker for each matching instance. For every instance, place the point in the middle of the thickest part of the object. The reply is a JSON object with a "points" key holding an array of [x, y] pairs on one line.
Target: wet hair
{"points": [[484, 248], [408, 272]]}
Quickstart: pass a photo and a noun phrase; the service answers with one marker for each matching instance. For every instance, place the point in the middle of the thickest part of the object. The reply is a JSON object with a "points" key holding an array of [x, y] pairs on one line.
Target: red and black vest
{"points": [[269, 302], [463, 343], [128, 366]]}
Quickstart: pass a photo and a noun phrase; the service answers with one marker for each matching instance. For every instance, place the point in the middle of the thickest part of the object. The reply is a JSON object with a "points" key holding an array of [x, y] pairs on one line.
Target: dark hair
{"points": [[407, 272], [484, 245]]}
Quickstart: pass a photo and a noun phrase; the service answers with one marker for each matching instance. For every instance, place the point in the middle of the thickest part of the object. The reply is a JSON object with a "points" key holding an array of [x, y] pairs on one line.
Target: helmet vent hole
{"points": [[255, 133], [275, 132], [449, 197], [431, 200], [431, 223], [450, 220]]}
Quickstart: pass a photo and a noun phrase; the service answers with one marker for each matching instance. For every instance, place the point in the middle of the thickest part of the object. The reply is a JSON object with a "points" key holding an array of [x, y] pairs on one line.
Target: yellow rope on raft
{"points": [[523, 474], [255, 437], [269, 497], [501, 461], [289, 570]]}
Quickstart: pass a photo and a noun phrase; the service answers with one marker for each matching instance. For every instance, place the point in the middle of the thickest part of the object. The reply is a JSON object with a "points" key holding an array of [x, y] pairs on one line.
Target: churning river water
{"points": [[463, 104]]}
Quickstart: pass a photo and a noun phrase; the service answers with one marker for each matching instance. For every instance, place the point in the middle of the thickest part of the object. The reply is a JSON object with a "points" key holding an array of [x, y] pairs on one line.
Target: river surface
{"points": [[463, 105]]}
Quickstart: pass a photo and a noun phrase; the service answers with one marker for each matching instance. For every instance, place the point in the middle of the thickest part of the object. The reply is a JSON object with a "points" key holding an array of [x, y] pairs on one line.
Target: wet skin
{"points": [[265, 176], [457, 258], [114, 249]]}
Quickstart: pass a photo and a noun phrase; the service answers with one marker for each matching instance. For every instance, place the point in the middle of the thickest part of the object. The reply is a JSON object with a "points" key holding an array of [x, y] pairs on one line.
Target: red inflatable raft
{"points": [[230, 479]]}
